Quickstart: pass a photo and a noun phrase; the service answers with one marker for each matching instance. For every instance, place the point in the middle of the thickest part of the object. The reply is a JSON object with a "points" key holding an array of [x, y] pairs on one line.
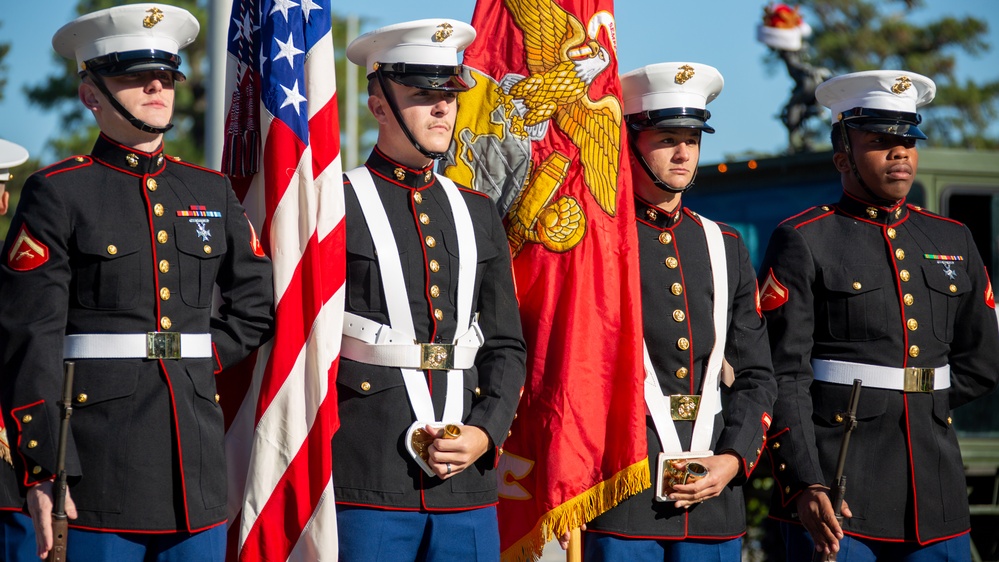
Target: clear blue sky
{"points": [[716, 32]]}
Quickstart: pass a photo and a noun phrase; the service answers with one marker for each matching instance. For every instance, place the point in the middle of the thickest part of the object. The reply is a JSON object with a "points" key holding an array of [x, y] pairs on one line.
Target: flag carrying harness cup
{"points": [[395, 344]]}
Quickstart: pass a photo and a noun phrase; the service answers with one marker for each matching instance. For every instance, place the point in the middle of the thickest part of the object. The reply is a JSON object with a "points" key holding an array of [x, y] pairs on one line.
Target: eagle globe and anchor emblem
{"points": [[492, 148]]}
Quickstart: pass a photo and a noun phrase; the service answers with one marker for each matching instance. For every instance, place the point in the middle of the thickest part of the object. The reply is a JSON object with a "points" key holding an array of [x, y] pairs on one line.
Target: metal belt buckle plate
{"points": [[918, 379], [683, 407], [437, 356], [163, 345]]}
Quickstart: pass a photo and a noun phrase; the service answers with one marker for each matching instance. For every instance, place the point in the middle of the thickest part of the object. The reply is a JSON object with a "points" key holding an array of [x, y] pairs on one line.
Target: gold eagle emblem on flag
{"points": [[494, 146]]}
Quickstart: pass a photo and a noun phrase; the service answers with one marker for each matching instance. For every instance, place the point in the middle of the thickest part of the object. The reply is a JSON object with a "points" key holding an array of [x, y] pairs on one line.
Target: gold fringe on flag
{"points": [[579, 510]]}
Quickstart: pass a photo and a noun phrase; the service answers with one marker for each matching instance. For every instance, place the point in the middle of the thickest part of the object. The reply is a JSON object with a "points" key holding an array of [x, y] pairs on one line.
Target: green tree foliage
{"points": [[855, 35]]}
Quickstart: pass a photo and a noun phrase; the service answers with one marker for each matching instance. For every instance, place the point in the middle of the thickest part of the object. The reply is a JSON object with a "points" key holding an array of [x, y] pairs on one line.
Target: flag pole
{"points": [[575, 551]]}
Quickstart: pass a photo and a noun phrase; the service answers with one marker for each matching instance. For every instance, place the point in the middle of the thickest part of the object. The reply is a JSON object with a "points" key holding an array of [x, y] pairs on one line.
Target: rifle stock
{"points": [[839, 489], [60, 524]]}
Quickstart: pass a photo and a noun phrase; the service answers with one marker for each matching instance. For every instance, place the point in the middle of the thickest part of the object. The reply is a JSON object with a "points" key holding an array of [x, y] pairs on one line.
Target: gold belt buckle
{"points": [[683, 407], [918, 379], [162, 345], [437, 356]]}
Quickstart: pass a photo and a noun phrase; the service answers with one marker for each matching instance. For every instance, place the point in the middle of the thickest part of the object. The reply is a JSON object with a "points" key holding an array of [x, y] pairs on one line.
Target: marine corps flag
{"points": [[541, 132]]}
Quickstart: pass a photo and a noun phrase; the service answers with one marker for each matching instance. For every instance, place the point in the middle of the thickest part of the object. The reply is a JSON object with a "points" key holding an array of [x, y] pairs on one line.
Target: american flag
{"points": [[283, 156]]}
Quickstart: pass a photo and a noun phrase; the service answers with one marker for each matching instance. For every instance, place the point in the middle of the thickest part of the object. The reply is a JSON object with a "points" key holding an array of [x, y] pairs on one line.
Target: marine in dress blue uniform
{"points": [[392, 505], [16, 534], [871, 287], [666, 115], [112, 260]]}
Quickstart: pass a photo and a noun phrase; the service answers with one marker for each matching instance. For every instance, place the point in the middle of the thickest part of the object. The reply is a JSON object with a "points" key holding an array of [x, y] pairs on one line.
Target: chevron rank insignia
{"points": [[774, 294], [26, 253]]}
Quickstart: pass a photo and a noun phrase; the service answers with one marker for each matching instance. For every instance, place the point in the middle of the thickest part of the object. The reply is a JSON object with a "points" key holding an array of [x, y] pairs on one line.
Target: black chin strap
{"points": [[856, 173], [390, 98], [135, 121], [652, 175]]}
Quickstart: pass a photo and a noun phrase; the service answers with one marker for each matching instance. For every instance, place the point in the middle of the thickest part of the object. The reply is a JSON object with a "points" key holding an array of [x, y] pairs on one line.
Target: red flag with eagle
{"points": [[545, 140], [283, 155]]}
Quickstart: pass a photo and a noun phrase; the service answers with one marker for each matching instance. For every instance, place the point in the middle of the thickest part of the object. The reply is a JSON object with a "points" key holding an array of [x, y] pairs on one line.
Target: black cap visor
{"points": [[129, 62], [897, 123], [425, 76], [671, 118]]}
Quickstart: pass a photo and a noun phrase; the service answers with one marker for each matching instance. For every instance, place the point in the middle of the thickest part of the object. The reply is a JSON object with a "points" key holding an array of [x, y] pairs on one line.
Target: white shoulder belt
{"points": [[710, 402]]}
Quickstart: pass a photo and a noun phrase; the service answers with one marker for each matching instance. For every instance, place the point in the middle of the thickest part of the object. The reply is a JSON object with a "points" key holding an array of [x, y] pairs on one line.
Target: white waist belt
{"points": [[151, 345], [908, 379], [370, 342]]}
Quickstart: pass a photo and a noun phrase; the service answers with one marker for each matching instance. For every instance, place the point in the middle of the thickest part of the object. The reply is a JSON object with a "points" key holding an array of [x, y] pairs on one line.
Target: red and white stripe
{"points": [[278, 444]]}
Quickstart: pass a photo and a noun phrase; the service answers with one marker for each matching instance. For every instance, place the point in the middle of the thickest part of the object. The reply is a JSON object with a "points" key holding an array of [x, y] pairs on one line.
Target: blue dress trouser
{"points": [[599, 547], [376, 535], [855, 549]]}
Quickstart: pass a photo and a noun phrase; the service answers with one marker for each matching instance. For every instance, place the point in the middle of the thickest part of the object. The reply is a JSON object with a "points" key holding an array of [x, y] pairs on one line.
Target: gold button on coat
{"points": [[164, 293], [431, 241], [434, 266], [158, 210], [912, 324], [478, 392], [676, 289], [435, 291], [953, 288], [904, 275], [162, 237], [908, 300], [671, 262], [418, 197], [32, 444], [782, 467], [36, 470], [424, 218], [857, 286], [949, 420], [208, 249], [914, 351], [26, 418], [891, 233], [678, 315], [112, 249], [838, 418], [438, 314], [681, 373], [365, 386], [151, 184], [217, 398], [900, 254], [165, 323], [665, 238], [164, 266], [81, 398], [683, 344]]}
